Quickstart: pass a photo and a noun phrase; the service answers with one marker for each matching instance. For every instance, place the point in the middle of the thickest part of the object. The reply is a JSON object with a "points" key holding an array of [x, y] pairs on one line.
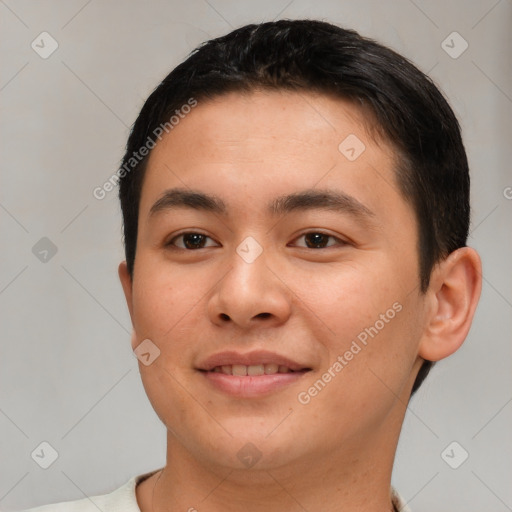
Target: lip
{"points": [[251, 386]]}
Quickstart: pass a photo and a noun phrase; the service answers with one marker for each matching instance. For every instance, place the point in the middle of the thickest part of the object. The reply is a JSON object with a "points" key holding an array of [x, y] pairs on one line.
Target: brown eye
{"points": [[318, 240], [191, 241]]}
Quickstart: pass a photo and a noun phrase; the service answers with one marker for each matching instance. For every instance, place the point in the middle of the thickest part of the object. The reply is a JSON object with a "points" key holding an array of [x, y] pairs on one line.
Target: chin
{"points": [[249, 447]]}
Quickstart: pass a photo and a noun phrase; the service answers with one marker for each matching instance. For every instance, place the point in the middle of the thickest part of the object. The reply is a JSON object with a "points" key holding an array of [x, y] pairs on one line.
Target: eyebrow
{"points": [[310, 199]]}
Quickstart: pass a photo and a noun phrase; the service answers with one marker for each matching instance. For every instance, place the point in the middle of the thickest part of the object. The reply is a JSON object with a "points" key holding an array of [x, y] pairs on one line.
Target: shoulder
{"points": [[123, 499], [83, 505]]}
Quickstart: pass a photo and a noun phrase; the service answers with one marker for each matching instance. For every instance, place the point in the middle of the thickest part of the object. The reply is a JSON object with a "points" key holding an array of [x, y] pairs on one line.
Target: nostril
{"points": [[263, 315], [223, 316]]}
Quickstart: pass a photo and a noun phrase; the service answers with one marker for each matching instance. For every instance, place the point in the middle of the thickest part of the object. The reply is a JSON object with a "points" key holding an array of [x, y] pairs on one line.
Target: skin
{"points": [[337, 451]]}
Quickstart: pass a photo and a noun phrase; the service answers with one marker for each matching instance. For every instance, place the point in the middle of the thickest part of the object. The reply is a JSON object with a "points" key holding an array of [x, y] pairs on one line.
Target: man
{"points": [[296, 208]]}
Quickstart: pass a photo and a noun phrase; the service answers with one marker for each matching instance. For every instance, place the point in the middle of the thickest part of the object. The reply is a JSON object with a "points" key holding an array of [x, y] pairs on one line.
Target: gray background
{"points": [[68, 376]]}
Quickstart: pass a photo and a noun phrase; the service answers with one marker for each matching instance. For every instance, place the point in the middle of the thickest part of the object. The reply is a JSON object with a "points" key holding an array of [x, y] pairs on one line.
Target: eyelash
{"points": [[171, 243]]}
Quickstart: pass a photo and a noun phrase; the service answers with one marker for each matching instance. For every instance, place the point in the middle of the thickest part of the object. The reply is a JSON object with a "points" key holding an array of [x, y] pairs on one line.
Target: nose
{"points": [[251, 294]]}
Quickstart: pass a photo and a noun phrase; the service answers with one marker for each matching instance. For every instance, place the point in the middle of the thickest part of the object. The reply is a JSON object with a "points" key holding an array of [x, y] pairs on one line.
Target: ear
{"points": [[126, 282], [454, 290]]}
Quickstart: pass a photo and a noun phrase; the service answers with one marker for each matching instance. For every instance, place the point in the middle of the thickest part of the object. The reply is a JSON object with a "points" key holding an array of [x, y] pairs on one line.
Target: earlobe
{"points": [[455, 288]]}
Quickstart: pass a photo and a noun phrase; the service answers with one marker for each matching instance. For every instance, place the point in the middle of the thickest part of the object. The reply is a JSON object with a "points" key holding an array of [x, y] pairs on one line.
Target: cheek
{"points": [[368, 369], [347, 297], [169, 398], [369, 316], [163, 300]]}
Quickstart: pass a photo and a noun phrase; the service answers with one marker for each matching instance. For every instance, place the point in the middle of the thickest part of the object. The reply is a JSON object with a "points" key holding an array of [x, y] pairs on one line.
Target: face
{"points": [[277, 274]]}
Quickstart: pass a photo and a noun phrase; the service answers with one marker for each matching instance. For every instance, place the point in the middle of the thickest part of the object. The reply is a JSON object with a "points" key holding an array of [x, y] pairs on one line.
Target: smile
{"points": [[251, 374], [241, 370]]}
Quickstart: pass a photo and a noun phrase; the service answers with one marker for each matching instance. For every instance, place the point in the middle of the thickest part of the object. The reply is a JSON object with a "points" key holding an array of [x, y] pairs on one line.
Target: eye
{"points": [[319, 240], [191, 241]]}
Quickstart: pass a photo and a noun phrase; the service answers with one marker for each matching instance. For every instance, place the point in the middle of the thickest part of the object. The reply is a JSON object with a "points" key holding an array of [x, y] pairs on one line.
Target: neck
{"points": [[349, 480]]}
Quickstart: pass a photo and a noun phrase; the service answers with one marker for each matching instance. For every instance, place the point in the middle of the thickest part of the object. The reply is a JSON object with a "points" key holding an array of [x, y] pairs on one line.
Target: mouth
{"points": [[253, 374], [254, 370]]}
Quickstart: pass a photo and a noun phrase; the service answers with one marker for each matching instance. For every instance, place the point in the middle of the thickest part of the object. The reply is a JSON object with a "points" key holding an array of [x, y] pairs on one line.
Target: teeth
{"points": [[256, 369], [241, 370], [270, 369]]}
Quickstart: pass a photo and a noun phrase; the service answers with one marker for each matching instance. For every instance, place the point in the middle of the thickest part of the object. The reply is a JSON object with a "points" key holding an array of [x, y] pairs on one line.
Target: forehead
{"points": [[253, 146], [284, 118]]}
